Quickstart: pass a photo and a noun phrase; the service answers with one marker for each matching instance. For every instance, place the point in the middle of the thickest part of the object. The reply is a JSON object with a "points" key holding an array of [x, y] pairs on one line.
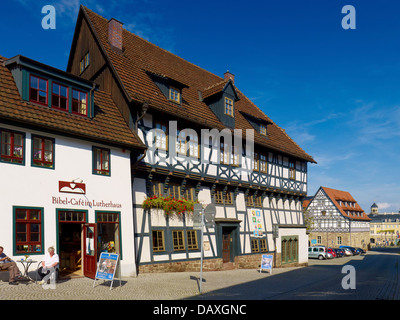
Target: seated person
{"points": [[11, 266], [51, 260]]}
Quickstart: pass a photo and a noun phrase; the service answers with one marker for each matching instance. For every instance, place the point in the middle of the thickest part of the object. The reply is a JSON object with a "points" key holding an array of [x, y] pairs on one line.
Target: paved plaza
{"points": [[154, 286]]}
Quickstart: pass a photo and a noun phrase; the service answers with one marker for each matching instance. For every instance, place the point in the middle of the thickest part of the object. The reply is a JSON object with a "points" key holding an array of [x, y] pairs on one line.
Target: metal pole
{"points": [[202, 249]]}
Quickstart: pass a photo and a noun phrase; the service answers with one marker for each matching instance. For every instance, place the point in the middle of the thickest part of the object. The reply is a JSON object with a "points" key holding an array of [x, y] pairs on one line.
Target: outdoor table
{"points": [[26, 264]]}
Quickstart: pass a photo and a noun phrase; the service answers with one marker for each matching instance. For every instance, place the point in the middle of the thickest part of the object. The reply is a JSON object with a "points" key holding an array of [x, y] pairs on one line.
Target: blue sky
{"points": [[335, 91]]}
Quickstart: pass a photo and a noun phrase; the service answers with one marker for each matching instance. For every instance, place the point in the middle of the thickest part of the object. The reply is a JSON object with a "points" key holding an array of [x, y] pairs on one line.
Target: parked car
{"points": [[329, 255], [332, 252], [339, 252], [352, 249], [347, 252], [361, 251], [317, 252]]}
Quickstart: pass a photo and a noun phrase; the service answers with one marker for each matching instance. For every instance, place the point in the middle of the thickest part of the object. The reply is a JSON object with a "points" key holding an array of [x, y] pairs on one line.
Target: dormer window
{"points": [[263, 129], [174, 95], [79, 102], [38, 90], [59, 97], [228, 107], [52, 88]]}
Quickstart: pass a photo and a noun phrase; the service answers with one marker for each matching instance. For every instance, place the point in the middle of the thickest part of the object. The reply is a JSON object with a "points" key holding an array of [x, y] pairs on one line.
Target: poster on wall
{"points": [[266, 262], [256, 222], [107, 267]]}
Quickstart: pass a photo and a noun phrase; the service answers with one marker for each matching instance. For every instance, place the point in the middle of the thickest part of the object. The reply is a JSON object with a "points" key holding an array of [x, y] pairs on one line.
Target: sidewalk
{"points": [[155, 286]]}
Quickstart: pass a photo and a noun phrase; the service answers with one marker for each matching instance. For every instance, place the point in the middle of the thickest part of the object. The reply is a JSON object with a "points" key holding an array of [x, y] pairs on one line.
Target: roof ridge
{"points": [[216, 84], [158, 47]]}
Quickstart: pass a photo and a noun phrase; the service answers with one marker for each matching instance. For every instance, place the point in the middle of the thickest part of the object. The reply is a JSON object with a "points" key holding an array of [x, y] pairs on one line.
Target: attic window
{"points": [[228, 109], [263, 129], [84, 62], [174, 95], [38, 90], [79, 102]]}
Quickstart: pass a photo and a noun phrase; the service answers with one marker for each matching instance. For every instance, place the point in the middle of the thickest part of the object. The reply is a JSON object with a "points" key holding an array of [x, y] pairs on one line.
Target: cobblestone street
{"points": [[155, 286]]}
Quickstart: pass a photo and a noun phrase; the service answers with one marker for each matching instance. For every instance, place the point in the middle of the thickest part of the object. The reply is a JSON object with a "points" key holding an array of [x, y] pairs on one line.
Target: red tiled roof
{"points": [[336, 195], [140, 57], [107, 126]]}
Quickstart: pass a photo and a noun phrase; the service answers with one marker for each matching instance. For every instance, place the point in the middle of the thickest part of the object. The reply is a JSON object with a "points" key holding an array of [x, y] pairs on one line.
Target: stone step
{"points": [[228, 266]]}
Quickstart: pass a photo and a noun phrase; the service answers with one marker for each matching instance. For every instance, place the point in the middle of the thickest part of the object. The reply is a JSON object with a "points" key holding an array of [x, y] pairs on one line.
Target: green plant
{"points": [[169, 204]]}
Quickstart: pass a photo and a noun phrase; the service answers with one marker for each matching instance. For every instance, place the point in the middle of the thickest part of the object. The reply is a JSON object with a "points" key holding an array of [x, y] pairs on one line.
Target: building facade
{"points": [[112, 155], [208, 143], [337, 219], [384, 227], [66, 159]]}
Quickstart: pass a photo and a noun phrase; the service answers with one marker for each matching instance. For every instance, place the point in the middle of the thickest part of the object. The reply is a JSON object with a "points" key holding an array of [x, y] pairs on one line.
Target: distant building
{"points": [[374, 209], [384, 227], [337, 219]]}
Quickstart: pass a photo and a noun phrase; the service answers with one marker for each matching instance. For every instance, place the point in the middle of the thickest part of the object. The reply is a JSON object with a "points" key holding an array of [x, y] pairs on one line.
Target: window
{"points": [[263, 245], [258, 201], [157, 189], [178, 240], [222, 197], [339, 240], [254, 245], [175, 191], [108, 232], [229, 157], [158, 241], [59, 97], [228, 109], [190, 193], [319, 239], [12, 147], [174, 95], [263, 129], [79, 102], [101, 161], [192, 239], [255, 161], [71, 216], [250, 201], [161, 140], [187, 144], [28, 230], [258, 245], [84, 63], [263, 163], [42, 152], [38, 90], [292, 170]]}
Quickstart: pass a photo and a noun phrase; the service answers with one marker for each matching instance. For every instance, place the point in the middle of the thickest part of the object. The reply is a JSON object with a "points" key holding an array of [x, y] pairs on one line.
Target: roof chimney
{"points": [[115, 34], [228, 75]]}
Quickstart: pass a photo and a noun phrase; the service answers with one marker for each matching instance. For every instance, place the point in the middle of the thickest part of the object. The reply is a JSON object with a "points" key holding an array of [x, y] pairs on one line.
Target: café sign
{"points": [[84, 202]]}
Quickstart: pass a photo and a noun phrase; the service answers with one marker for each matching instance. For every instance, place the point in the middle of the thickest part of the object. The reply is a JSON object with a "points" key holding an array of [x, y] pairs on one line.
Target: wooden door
{"points": [[89, 250], [226, 247]]}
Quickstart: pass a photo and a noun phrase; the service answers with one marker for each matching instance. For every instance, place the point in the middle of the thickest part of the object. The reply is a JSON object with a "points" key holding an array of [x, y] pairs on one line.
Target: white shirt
{"points": [[48, 261]]}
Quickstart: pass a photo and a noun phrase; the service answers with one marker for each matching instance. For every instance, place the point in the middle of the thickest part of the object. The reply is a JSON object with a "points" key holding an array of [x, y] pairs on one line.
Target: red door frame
{"points": [[89, 250]]}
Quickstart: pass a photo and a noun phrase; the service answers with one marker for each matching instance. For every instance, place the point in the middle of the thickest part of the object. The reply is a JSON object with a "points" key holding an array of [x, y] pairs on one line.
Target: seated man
{"points": [[11, 266], [51, 260]]}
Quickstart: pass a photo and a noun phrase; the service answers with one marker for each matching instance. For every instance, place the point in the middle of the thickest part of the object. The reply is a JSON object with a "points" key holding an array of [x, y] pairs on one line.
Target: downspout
{"points": [[92, 100], [145, 107]]}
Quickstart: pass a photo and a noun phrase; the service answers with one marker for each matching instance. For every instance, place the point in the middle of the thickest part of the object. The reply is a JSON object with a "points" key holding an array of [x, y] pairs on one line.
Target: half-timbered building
{"points": [[206, 142], [337, 219]]}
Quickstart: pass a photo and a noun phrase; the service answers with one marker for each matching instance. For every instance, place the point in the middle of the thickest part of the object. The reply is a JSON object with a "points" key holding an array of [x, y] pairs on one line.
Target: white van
{"points": [[317, 252]]}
